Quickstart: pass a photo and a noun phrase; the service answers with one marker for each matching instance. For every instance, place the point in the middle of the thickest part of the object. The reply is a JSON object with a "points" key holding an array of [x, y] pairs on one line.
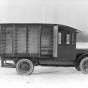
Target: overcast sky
{"points": [[73, 13]]}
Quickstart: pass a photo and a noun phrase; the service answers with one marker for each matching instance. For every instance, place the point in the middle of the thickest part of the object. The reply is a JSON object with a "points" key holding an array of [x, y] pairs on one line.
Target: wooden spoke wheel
{"points": [[84, 65], [24, 66]]}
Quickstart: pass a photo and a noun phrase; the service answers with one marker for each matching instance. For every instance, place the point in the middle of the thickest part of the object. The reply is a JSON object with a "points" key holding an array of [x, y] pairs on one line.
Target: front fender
{"points": [[81, 57]]}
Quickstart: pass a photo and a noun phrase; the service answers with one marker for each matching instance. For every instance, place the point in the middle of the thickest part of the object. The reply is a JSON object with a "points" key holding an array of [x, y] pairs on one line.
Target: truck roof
{"points": [[49, 24]]}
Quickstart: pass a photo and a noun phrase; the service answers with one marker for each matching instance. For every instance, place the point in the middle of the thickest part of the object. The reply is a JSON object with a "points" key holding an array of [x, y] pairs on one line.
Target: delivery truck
{"points": [[33, 44]]}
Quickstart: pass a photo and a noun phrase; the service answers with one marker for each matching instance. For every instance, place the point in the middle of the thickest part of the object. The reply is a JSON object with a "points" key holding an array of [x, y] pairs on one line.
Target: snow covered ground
{"points": [[82, 45], [44, 77]]}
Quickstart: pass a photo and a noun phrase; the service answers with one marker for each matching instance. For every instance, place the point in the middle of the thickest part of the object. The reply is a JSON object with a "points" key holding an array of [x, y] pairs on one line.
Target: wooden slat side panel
{"points": [[8, 40], [33, 41], [3, 40], [0, 39], [46, 37], [47, 41], [21, 39]]}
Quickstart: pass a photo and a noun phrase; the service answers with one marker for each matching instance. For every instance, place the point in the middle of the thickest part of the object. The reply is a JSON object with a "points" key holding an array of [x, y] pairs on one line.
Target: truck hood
{"points": [[81, 50]]}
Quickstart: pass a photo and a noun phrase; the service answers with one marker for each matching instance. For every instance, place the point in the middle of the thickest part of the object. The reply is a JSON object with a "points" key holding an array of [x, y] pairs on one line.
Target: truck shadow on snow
{"points": [[10, 65], [56, 71]]}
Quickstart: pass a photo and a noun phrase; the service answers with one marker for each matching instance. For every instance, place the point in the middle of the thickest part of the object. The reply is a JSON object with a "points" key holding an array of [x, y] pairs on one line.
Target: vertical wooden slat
{"points": [[13, 40], [55, 44], [5, 43], [40, 41], [0, 39], [27, 40]]}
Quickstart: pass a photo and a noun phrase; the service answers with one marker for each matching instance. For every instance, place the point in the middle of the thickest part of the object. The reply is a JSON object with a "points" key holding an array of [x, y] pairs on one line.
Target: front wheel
{"points": [[24, 66], [84, 65], [77, 67]]}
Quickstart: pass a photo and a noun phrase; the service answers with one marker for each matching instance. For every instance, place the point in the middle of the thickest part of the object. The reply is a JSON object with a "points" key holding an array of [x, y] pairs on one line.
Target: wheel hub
{"points": [[24, 67]]}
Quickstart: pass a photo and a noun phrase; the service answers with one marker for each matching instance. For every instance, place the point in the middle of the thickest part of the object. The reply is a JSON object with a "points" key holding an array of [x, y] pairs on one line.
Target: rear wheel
{"points": [[84, 65], [24, 66]]}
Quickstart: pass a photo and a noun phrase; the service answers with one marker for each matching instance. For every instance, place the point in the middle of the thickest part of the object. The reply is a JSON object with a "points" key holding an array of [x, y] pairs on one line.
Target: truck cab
{"points": [[66, 43]]}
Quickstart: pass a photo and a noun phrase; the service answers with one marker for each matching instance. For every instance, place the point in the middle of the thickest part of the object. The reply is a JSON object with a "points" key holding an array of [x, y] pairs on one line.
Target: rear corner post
{"points": [[2, 62]]}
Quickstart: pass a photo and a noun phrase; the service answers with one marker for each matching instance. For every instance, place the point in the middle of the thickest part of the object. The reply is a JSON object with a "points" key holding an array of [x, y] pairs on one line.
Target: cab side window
{"points": [[59, 37], [68, 38]]}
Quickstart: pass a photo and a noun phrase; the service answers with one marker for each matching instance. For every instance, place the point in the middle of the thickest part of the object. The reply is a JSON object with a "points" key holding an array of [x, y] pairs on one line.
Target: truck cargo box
{"points": [[27, 40]]}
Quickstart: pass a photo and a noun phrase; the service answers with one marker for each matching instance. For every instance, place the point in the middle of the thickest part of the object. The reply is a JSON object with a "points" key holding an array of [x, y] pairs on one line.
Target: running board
{"points": [[52, 63]]}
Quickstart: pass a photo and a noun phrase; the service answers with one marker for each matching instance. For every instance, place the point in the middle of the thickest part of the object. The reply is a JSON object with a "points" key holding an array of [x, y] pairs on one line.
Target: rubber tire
{"points": [[29, 62], [77, 68], [81, 64]]}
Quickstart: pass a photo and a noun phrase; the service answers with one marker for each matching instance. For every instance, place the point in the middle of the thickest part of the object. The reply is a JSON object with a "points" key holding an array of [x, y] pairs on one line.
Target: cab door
{"points": [[70, 46], [61, 45], [66, 45]]}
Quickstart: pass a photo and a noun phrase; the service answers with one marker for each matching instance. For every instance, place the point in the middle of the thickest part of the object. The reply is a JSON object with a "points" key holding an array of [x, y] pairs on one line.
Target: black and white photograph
{"points": [[43, 43]]}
